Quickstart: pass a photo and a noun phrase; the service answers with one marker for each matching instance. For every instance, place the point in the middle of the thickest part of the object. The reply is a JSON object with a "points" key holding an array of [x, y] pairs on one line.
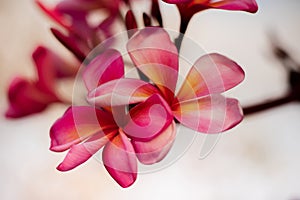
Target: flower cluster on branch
{"points": [[132, 119]]}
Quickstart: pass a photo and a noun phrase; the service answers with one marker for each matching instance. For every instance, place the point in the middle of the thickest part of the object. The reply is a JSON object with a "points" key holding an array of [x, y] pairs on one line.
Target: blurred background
{"points": [[259, 159]]}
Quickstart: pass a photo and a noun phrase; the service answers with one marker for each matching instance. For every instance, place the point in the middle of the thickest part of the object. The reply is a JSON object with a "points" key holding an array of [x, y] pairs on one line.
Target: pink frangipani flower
{"points": [[84, 130], [146, 132], [73, 14], [26, 98], [243, 5], [82, 35], [187, 8], [198, 104], [32, 96]]}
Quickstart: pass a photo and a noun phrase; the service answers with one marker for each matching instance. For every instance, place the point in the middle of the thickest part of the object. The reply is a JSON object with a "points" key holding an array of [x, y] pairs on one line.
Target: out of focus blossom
{"points": [[81, 19], [31, 96], [188, 8]]}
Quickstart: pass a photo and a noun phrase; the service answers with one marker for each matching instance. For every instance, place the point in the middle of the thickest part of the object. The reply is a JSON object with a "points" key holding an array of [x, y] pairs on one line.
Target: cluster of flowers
{"points": [[133, 119]]}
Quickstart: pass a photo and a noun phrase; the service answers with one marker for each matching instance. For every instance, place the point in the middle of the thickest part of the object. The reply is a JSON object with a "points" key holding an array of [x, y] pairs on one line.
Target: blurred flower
{"points": [[85, 130], [83, 23], [245, 5], [198, 104], [31, 96], [187, 8], [26, 97], [130, 23]]}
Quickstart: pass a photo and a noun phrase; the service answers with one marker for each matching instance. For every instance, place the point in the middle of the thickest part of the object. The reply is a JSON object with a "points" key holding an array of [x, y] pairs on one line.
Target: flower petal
{"points": [[198, 5], [120, 161], [244, 5], [74, 21], [26, 98], [121, 92], [211, 73], [130, 23], [105, 67], [105, 27], [86, 5], [80, 153], [53, 14], [148, 119], [177, 1], [73, 43], [211, 114], [156, 149], [77, 124], [156, 56], [77, 5], [51, 66], [45, 64]]}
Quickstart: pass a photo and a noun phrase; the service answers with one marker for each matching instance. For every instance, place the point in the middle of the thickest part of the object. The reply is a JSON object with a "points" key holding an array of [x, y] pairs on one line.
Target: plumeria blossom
{"points": [[244, 5], [25, 98], [130, 119], [198, 104], [84, 130], [188, 8], [146, 132], [74, 16], [31, 96]]}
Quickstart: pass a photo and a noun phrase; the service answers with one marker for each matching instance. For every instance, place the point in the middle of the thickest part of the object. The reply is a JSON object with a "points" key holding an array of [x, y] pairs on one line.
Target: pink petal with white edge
{"points": [[77, 124], [105, 67], [156, 149], [211, 73], [156, 56], [123, 91], [80, 153], [244, 5], [148, 119], [120, 161], [210, 114]]}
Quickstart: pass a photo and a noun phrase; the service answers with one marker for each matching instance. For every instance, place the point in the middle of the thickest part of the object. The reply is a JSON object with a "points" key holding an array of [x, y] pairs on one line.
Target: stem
{"points": [[184, 21], [183, 27], [270, 104], [178, 41], [143, 76]]}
